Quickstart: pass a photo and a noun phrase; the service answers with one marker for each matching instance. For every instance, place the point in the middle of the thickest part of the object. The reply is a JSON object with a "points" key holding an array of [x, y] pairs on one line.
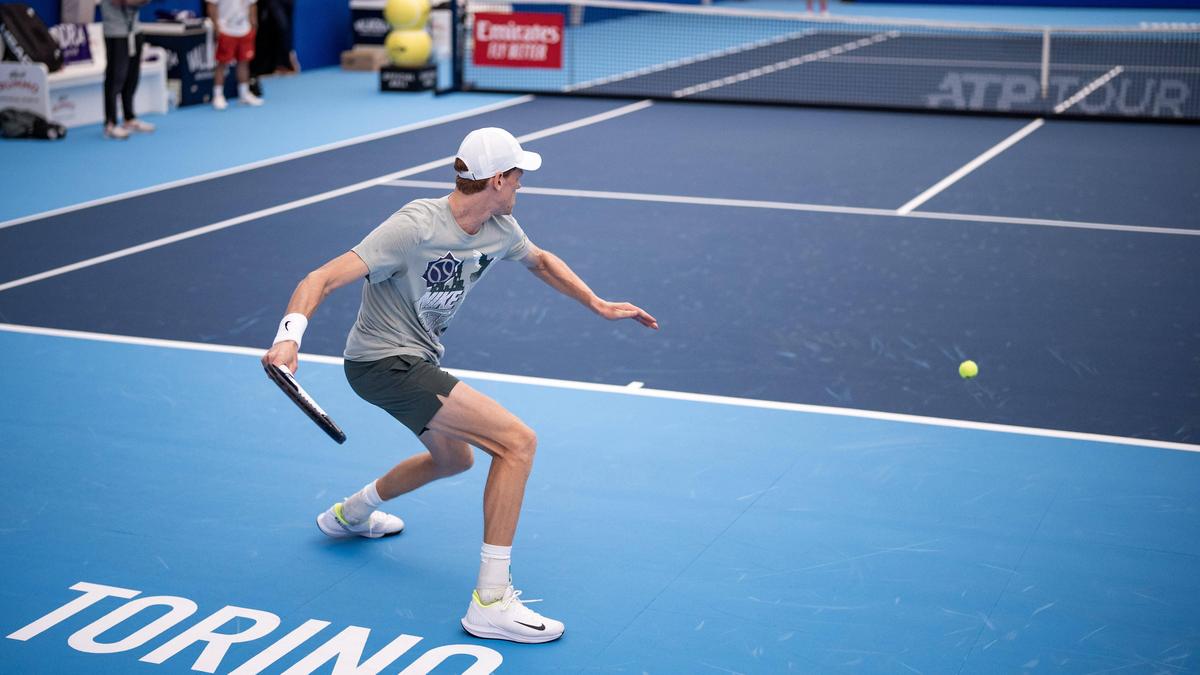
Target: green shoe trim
{"points": [[337, 513], [477, 599]]}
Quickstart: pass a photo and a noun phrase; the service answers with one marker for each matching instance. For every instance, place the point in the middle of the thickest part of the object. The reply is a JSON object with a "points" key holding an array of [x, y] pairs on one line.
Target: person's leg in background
{"points": [[245, 54], [224, 56], [115, 73], [243, 77], [134, 73], [287, 53]]}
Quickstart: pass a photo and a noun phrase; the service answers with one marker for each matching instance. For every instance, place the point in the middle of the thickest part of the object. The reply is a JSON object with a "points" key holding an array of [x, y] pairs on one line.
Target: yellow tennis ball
{"points": [[406, 14], [968, 369], [409, 48]]}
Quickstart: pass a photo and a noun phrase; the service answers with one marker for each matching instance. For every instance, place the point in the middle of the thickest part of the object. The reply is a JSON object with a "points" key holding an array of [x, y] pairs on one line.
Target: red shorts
{"points": [[231, 48]]}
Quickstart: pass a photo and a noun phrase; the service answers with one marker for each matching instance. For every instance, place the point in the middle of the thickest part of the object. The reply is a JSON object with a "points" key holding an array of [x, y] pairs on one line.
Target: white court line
{"points": [[816, 208], [669, 199], [1049, 222], [330, 194], [630, 391], [971, 166], [784, 65], [271, 160], [1089, 88], [689, 60], [936, 63], [1016, 65]]}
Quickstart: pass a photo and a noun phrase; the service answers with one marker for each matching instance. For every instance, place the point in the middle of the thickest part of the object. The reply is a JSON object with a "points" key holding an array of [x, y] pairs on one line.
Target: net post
{"points": [[1045, 61]]}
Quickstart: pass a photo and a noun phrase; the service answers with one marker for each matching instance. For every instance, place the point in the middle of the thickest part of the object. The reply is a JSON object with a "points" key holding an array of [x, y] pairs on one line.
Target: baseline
{"points": [[271, 160], [816, 208], [298, 203]]}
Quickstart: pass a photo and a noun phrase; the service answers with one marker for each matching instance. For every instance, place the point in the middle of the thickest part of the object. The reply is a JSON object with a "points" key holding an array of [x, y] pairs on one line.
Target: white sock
{"points": [[358, 506], [219, 94], [243, 89], [494, 575]]}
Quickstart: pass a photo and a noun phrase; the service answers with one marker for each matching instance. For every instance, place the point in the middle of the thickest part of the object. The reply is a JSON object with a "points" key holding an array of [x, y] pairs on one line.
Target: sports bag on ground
{"points": [[24, 124]]}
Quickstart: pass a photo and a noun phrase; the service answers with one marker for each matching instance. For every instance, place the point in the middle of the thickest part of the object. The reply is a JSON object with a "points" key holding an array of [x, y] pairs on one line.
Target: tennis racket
{"points": [[283, 377]]}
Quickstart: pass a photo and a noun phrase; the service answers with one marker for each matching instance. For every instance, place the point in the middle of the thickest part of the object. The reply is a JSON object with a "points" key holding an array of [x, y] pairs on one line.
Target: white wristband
{"points": [[291, 327]]}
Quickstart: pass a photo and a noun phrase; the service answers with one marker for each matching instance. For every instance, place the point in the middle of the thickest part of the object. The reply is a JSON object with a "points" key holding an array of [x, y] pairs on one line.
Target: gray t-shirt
{"points": [[119, 20], [421, 267]]}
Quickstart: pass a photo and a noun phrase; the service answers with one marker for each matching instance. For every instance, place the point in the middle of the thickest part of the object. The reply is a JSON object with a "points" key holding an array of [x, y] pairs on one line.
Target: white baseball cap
{"points": [[490, 151]]}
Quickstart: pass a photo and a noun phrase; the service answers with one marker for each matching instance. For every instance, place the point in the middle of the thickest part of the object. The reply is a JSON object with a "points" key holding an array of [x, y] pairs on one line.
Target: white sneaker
{"points": [[509, 619], [378, 524], [250, 99], [219, 102], [139, 126], [117, 132]]}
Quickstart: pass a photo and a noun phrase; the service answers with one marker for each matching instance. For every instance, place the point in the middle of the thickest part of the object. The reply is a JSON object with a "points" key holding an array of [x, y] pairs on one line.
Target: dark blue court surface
{"points": [[1077, 329], [698, 54], [795, 480]]}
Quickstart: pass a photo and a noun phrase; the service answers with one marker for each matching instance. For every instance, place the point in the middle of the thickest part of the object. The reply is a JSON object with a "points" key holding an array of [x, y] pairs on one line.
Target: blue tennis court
{"points": [[790, 476]]}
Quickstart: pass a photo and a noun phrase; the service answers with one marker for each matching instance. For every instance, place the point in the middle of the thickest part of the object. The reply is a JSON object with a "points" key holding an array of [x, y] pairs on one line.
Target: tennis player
{"points": [[419, 266]]}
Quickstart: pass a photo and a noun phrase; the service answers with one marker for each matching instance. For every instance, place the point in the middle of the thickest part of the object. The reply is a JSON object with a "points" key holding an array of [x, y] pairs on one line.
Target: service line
{"points": [[971, 166], [630, 390]]}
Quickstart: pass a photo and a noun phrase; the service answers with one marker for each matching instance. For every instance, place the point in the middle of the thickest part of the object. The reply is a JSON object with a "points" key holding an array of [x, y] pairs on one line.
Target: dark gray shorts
{"points": [[407, 387]]}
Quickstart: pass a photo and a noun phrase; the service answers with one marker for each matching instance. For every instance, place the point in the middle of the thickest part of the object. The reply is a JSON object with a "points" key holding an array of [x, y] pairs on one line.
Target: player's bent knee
{"points": [[459, 462], [450, 466], [522, 445], [449, 456]]}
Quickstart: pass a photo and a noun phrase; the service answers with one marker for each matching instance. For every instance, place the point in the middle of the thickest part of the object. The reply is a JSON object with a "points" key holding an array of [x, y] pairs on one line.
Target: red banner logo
{"points": [[519, 40]]}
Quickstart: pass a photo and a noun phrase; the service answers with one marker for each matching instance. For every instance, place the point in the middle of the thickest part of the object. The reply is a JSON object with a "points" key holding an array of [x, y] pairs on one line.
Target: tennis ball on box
{"points": [[408, 48], [968, 369], [406, 14]]}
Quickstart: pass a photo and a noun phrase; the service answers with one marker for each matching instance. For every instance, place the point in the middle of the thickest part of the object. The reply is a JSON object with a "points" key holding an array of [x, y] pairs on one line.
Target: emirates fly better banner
{"points": [[519, 40]]}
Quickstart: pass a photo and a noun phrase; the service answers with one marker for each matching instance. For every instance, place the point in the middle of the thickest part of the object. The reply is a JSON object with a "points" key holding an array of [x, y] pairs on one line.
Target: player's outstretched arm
{"points": [[552, 270], [309, 294]]}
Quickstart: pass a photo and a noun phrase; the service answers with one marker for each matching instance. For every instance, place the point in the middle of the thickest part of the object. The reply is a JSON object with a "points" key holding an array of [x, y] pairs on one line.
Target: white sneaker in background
{"points": [[139, 125], [250, 99], [117, 132], [509, 619], [219, 102]]}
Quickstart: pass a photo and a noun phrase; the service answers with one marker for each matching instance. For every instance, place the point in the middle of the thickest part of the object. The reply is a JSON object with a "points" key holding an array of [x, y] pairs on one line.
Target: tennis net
{"points": [[716, 53]]}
